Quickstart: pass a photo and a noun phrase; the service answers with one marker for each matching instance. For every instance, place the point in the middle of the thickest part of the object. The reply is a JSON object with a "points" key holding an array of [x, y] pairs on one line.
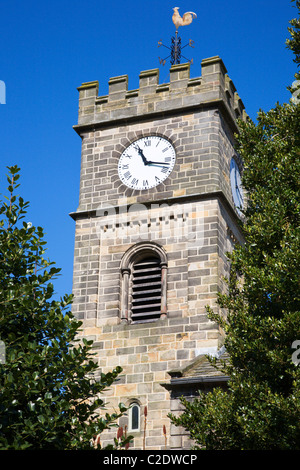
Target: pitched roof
{"points": [[201, 369]]}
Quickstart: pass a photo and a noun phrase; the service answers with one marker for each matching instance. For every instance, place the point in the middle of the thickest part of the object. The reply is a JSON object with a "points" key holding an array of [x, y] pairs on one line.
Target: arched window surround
{"points": [[134, 421], [133, 255]]}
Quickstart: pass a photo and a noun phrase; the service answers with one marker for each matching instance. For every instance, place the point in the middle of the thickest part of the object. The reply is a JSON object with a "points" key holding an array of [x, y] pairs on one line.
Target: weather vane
{"points": [[176, 48]]}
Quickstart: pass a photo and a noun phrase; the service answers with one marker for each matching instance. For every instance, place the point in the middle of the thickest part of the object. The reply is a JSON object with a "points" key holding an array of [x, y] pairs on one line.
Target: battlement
{"points": [[214, 87]]}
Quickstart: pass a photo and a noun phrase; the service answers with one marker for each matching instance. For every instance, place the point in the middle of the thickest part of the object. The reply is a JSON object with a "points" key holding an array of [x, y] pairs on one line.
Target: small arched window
{"points": [[144, 284], [134, 417]]}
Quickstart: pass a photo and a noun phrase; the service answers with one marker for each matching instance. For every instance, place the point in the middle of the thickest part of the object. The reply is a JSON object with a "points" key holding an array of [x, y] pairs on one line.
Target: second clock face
{"points": [[236, 185], [146, 162]]}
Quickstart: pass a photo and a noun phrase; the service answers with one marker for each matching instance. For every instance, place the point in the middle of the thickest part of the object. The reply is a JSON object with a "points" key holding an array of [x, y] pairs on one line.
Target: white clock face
{"points": [[146, 162], [236, 185]]}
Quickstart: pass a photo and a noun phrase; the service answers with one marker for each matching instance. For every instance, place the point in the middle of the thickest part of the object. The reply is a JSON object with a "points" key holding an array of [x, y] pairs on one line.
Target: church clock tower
{"points": [[159, 208]]}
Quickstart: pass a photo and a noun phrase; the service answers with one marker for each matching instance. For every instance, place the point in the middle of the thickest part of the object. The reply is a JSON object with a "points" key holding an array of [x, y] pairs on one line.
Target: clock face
{"points": [[236, 185], [146, 162]]}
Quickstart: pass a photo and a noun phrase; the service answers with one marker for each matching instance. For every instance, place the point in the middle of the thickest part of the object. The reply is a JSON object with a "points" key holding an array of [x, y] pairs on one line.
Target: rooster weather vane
{"points": [[176, 48]]}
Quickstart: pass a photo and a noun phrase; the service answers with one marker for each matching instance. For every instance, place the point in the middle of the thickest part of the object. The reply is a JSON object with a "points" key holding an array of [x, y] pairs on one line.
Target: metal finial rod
{"points": [[176, 42], [176, 47]]}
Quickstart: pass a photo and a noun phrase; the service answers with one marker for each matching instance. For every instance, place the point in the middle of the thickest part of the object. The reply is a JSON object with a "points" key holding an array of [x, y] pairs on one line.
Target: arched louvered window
{"points": [[145, 289], [144, 269]]}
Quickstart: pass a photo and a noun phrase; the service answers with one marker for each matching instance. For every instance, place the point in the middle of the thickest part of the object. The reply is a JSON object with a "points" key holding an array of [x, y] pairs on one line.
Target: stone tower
{"points": [[159, 190]]}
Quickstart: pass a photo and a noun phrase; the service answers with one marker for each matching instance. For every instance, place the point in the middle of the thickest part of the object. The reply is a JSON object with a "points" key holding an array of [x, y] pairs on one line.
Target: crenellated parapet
{"points": [[213, 88]]}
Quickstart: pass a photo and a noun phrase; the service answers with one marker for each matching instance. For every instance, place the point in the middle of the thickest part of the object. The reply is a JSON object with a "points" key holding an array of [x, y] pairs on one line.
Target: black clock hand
{"points": [[157, 163], [141, 153], [241, 196], [235, 177], [237, 187], [236, 184]]}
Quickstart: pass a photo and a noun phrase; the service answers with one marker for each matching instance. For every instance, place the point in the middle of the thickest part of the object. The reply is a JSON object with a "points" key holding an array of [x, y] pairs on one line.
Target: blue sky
{"points": [[49, 48]]}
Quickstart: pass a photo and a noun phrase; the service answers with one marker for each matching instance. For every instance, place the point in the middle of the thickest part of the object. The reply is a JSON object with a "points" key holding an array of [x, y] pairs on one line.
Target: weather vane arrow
{"points": [[176, 48]]}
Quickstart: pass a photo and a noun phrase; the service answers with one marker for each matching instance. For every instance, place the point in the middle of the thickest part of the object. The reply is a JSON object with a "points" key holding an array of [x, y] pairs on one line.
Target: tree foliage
{"points": [[49, 390], [261, 409], [293, 42]]}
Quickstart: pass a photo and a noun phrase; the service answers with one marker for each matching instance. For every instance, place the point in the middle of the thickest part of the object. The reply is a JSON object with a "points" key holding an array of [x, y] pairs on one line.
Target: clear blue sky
{"points": [[48, 48]]}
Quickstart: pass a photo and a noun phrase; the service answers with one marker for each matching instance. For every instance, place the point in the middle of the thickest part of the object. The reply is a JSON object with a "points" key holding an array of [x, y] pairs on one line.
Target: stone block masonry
{"points": [[190, 216], [198, 115], [154, 99]]}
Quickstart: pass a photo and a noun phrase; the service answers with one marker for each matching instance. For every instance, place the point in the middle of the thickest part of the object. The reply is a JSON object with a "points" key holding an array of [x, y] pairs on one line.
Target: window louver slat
{"points": [[146, 290]]}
